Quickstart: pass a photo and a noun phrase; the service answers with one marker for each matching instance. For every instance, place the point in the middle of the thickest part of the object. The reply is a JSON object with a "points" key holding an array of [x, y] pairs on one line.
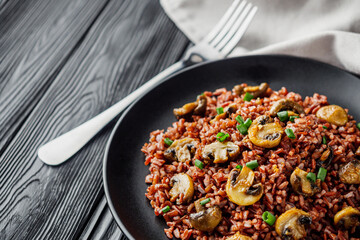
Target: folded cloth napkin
{"points": [[324, 30]]}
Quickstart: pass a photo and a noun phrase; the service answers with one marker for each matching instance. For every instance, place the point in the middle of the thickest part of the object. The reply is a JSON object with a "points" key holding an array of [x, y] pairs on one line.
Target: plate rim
{"points": [[129, 108]]}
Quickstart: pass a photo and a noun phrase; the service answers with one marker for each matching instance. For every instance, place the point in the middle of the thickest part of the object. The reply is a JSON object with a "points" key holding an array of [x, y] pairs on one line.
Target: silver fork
{"points": [[216, 45]]}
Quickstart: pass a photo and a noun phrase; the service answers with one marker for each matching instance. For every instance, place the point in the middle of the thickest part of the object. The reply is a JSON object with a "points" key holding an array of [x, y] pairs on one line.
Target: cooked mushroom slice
{"points": [[185, 111], [206, 220], [181, 150], [257, 91], [227, 112], [333, 114], [347, 218], [219, 152], [197, 108], [182, 188], [201, 105], [302, 185], [238, 236], [218, 117], [231, 109], [238, 90], [241, 189], [264, 132], [350, 172], [291, 224], [285, 104], [326, 158]]}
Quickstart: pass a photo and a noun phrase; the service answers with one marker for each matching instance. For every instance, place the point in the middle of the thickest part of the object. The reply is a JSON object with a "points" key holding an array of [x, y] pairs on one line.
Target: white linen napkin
{"points": [[324, 30]]}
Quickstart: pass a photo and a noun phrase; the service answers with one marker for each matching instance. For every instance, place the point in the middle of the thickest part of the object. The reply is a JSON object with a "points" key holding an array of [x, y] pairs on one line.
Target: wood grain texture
{"points": [[36, 39], [102, 225], [2, 4], [130, 42]]}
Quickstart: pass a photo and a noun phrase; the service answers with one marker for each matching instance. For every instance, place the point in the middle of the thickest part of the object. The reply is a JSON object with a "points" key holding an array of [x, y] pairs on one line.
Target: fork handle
{"points": [[63, 147]]}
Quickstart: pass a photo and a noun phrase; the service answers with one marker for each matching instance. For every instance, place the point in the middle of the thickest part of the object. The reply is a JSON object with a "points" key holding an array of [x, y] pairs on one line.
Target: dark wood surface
{"points": [[61, 63]]}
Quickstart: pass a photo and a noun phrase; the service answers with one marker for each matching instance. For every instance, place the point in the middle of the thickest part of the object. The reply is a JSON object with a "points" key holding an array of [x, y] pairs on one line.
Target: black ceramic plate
{"points": [[124, 169]]}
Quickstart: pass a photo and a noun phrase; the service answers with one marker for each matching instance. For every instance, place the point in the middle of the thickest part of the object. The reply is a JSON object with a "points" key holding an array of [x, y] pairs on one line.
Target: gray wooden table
{"points": [[61, 63]]}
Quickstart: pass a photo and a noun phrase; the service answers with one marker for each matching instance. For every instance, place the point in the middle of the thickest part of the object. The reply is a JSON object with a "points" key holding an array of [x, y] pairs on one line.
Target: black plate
{"points": [[124, 170]]}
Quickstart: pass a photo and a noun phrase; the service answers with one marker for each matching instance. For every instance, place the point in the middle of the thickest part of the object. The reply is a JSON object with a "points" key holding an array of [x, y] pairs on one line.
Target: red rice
{"points": [[275, 167]]}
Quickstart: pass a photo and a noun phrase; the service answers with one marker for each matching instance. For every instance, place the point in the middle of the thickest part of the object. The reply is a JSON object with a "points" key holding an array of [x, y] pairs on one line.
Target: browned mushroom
{"points": [[181, 150], [256, 91], [333, 114], [302, 185], [238, 90], [193, 108], [291, 224], [219, 152], [231, 109], [185, 111], [347, 218], [264, 132], [286, 104], [350, 172], [205, 219], [227, 113], [182, 188], [326, 158], [201, 105], [218, 117], [241, 189], [238, 236]]}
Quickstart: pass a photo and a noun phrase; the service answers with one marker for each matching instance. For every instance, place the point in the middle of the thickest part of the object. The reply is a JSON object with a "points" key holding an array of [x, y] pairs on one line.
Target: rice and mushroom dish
{"points": [[254, 163]]}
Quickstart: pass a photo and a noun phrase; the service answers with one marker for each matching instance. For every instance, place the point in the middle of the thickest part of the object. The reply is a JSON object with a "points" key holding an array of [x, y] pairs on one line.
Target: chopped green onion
{"points": [[325, 127], [252, 164], [239, 119], [292, 118], [219, 110], [248, 122], [283, 116], [289, 132], [239, 167], [203, 94], [311, 176], [205, 201], [322, 174], [242, 129], [268, 218], [165, 209], [324, 140], [248, 97], [199, 164], [358, 125], [222, 136], [168, 141]]}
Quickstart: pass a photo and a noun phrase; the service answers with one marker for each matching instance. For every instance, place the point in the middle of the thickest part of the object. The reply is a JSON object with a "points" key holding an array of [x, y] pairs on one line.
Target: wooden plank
{"points": [[108, 223], [36, 38], [106, 228], [98, 218], [2, 3], [130, 42], [102, 225]]}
